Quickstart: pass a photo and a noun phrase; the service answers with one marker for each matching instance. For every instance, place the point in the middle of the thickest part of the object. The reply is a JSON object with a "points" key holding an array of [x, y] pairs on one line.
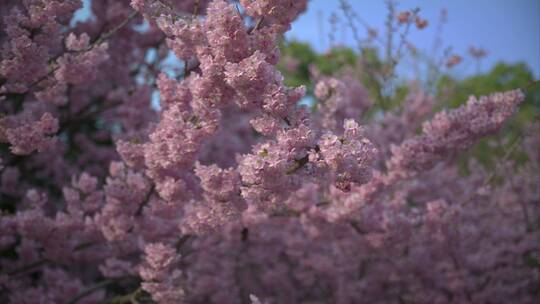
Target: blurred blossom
{"points": [[453, 61]]}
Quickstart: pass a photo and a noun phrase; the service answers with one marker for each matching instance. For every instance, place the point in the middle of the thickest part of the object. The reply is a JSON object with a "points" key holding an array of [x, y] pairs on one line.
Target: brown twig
{"points": [[145, 202], [299, 163], [44, 261], [515, 144], [256, 26], [108, 34], [102, 38], [196, 8], [28, 267], [88, 291], [128, 298]]}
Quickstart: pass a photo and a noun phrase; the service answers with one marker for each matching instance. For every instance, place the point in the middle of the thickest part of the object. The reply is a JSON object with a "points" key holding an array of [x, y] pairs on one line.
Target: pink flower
{"points": [[404, 17]]}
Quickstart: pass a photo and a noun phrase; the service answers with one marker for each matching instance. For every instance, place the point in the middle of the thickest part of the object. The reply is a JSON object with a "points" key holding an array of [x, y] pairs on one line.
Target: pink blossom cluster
{"points": [[231, 192], [454, 131]]}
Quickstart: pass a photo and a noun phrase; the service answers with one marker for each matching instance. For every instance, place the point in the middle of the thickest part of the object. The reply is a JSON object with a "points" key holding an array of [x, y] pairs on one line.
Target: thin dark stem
{"points": [[509, 152], [531, 85], [190, 66], [141, 206], [127, 298], [133, 296], [44, 261], [172, 12], [196, 8], [299, 163], [403, 39], [389, 29], [108, 34], [88, 291], [28, 267], [517, 141], [257, 25], [101, 39], [85, 114], [145, 202], [182, 241], [348, 14]]}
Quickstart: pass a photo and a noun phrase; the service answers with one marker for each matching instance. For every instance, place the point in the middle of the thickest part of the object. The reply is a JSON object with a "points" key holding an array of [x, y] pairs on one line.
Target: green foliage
{"points": [[337, 58], [502, 77], [305, 56], [372, 70]]}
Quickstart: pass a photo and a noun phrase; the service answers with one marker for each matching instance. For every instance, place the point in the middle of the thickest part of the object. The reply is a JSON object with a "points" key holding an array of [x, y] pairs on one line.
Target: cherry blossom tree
{"points": [[229, 190]]}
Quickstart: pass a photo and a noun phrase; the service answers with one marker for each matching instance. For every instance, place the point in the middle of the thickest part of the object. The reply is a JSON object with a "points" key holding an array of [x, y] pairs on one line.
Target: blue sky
{"points": [[508, 29]]}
